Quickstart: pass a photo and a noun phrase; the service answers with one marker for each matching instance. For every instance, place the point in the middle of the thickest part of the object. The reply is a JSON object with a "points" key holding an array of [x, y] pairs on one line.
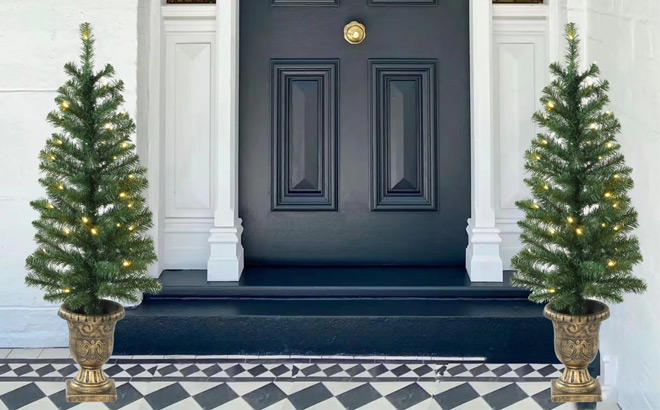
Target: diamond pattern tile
{"points": [[310, 396], [358, 396], [280, 384], [22, 396], [407, 396], [216, 396], [264, 396], [504, 397], [166, 396], [456, 396]]}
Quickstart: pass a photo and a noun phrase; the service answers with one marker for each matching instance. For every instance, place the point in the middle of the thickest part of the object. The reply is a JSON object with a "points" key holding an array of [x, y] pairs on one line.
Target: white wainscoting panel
{"points": [[188, 126], [189, 139], [520, 61]]}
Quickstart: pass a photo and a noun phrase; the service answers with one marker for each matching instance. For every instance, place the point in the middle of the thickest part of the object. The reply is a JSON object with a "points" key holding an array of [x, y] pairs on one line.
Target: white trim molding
{"points": [[226, 259], [482, 256], [520, 55]]}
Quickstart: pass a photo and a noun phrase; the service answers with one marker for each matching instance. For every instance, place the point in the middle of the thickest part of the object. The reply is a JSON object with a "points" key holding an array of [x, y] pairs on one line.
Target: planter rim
{"points": [[116, 313], [603, 313]]}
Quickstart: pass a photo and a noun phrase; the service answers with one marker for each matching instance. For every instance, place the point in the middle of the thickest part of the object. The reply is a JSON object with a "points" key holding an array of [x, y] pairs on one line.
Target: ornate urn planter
{"points": [[576, 345], [91, 339]]}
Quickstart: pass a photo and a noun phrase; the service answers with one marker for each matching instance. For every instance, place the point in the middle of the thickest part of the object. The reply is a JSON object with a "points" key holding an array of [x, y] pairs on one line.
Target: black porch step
{"points": [[500, 330], [383, 311], [325, 281]]}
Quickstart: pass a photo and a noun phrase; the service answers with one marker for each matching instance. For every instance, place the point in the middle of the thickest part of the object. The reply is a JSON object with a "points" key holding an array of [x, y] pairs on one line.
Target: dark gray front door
{"points": [[354, 154]]}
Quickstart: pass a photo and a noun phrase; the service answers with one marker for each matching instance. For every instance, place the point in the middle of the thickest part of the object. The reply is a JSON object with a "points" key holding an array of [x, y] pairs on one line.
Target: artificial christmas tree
{"points": [[577, 228], [92, 224]]}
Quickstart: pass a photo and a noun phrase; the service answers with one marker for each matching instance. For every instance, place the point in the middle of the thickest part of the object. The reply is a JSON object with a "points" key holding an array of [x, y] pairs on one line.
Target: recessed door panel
{"points": [[304, 114], [403, 137]]}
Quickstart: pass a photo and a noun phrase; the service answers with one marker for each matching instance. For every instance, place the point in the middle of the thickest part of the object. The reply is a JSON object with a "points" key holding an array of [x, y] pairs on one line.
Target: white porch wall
{"points": [[36, 39], [623, 36]]}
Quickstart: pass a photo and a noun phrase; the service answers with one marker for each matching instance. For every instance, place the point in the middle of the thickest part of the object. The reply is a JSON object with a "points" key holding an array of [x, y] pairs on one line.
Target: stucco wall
{"points": [[36, 39], [623, 36]]}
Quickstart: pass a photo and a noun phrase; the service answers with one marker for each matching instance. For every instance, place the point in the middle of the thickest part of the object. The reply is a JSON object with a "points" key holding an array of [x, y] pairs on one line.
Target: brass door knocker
{"points": [[355, 32]]}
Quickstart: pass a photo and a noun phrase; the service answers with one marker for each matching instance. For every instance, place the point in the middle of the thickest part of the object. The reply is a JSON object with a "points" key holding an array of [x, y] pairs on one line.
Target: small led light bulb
{"points": [[126, 263], [611, 263], [85, 219], [93, 231], [579, 231], [570, 219], [550, 105], [610, 145]]}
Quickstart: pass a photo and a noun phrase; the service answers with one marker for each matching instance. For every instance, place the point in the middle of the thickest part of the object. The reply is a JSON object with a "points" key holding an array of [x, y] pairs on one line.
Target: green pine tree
{"points": [[91, 227], [577, 228]]}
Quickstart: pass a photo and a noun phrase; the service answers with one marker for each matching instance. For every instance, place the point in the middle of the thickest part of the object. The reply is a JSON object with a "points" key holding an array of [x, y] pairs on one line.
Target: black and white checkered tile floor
{"points": [[30, 380]]}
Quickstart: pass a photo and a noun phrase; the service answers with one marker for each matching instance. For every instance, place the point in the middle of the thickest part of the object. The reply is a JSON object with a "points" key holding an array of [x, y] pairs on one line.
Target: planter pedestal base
{"points": [[557, 394], [108, 394]]}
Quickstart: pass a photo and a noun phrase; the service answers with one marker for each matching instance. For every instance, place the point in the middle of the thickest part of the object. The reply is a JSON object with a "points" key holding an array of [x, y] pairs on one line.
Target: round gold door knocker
{"points": [[355, 32]]}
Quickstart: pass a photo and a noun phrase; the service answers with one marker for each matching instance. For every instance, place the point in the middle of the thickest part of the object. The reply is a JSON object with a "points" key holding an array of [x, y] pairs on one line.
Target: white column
{"points": [[482, 256], [226, 252]]}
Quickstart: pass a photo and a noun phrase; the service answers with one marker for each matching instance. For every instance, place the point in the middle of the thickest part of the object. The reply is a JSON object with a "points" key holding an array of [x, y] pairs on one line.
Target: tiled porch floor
{"points": [[33, 379]]}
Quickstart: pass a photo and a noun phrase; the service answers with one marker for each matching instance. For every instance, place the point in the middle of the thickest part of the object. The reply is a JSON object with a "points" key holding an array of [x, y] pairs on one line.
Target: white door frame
{"points": [[483, 260]]}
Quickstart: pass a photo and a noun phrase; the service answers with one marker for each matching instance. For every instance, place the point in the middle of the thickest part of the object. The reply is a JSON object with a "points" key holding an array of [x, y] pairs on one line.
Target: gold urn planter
{"points": [[91, 339], [576, 345]]}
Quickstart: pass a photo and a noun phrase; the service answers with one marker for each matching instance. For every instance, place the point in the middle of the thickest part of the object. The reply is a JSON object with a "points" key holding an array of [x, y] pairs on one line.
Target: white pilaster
{"points": [[226, 252], [483, 261]]}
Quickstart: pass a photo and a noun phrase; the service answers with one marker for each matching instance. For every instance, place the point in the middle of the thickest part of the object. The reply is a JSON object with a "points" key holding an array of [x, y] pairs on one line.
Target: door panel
{"points": [[403, 135], [304, 115], [354, 154]]}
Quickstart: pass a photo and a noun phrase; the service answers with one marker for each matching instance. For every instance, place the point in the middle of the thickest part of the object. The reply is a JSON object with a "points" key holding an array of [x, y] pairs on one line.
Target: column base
{"points": [[225, 262], [482, 256]]}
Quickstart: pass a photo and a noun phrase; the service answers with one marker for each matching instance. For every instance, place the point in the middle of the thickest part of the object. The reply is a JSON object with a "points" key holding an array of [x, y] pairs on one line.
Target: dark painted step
{"points": [[323, 281], [501, 330], [391, 311]]}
